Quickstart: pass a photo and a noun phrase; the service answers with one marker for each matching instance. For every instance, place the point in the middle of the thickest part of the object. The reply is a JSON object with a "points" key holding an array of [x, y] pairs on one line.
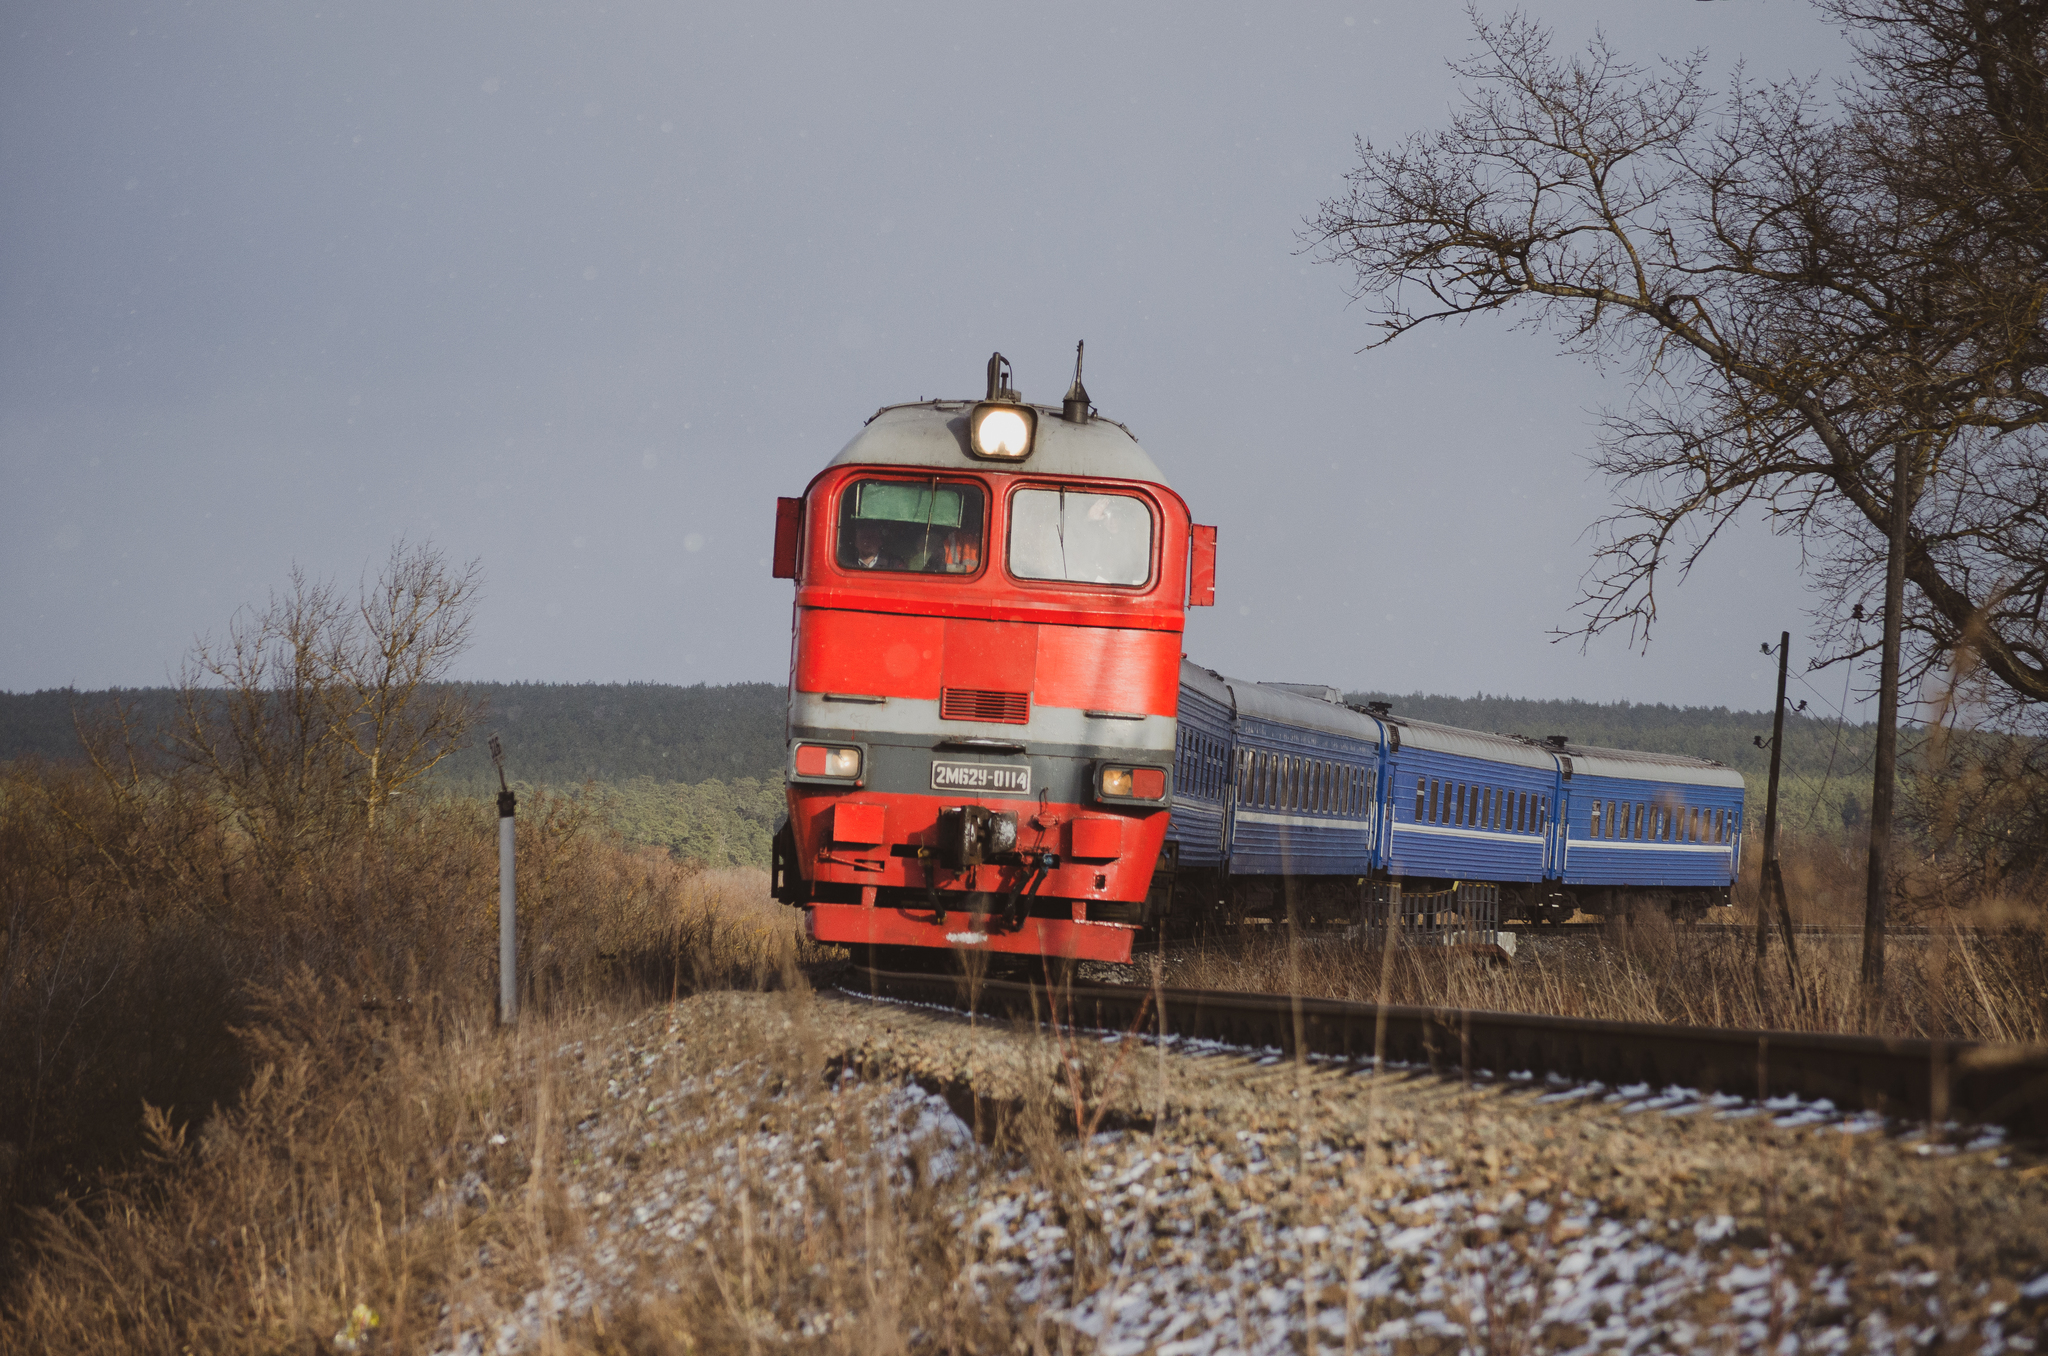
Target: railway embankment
{"points": [[845, 1173]]}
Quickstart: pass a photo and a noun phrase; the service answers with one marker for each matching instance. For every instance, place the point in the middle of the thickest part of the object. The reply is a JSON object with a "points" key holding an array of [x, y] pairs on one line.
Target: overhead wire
{"points": [[1841, 722]]}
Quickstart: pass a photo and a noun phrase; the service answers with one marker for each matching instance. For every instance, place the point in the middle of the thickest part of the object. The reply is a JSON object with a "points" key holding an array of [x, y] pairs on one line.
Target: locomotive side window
{"points": [[1079, 537], [911, 527]]}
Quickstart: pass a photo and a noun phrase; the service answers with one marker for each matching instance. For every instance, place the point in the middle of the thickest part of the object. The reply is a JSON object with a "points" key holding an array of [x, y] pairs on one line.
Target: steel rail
{"points": [[1912, 1079], [1590, 933]]}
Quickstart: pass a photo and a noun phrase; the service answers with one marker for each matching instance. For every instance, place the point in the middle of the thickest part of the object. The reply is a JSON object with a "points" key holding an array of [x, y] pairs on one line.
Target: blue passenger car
{"points": [[1639, 822], [1283, 789], [1201, 767], [1470, 806], [1307, 786]]}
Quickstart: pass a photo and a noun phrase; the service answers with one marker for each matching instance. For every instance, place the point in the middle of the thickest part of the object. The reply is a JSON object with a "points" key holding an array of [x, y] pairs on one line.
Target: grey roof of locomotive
{"points": [[934, 433]]}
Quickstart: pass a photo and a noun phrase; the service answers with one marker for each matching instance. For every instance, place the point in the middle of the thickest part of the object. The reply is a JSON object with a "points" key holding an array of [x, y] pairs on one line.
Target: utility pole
{"points": [[1878, 885], [1771, 881], [508, 915]]}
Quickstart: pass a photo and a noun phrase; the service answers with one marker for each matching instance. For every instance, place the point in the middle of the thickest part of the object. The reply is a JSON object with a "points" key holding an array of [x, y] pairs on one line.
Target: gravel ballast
{"points": [[1036, 1189]]}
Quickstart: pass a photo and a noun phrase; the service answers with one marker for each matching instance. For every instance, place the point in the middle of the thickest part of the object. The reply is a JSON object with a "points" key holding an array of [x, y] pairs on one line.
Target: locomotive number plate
{"points": [[983, 779]]}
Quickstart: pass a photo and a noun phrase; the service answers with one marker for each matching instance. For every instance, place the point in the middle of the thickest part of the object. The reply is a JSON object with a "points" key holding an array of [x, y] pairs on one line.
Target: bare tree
{"points": [[313, 712], [1811, 333], [400, 719]]}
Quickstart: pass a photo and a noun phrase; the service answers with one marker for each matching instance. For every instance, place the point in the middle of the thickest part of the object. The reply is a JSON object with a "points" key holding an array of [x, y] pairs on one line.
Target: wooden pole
{"points": [[1764, 882], [508, 912], [1878, 883]]}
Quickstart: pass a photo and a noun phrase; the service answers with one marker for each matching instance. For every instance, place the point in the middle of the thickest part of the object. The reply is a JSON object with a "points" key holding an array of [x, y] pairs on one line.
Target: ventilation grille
{"points": [[968, 703]]}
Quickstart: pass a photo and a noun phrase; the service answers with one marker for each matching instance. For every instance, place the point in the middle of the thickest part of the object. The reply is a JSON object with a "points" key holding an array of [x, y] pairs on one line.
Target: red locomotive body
{"points": [[984, 678]]}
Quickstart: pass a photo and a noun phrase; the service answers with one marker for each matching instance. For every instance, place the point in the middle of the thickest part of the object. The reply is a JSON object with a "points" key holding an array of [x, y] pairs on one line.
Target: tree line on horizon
{"points": [[697, 769]]}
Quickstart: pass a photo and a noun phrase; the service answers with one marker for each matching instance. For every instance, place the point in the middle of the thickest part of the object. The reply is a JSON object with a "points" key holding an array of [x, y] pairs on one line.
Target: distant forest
{"points": [[698, 770], [559, 734]]}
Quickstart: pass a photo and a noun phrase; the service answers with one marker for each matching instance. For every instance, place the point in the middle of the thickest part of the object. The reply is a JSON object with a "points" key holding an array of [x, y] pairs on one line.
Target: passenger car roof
{"points": [[1263, 701], [1292, 704], [1205, 681], [1592, 761], [1499, 748], [934, 434]]}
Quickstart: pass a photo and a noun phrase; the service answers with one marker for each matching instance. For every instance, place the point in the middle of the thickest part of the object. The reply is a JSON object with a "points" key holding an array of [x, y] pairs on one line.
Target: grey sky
{"points": [[580, 289]]}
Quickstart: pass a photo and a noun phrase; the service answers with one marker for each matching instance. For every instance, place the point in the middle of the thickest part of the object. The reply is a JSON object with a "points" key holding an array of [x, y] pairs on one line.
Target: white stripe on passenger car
{"points": [[1489, 835], [1302, 821], [1589, 844]]}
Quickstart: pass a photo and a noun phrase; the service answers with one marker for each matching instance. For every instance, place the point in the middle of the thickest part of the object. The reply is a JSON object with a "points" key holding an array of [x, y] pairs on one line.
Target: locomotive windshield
{"points": [[1080, 537], [911, 526]]}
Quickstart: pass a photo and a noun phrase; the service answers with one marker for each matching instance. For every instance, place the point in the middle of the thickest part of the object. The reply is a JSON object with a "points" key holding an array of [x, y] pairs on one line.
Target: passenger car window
{"points": [[911, 526], [1080, 537]]}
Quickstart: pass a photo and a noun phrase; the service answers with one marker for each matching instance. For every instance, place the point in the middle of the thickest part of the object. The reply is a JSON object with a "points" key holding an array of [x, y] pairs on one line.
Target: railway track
{"points": [[1593, 932], [1907, 1079]]}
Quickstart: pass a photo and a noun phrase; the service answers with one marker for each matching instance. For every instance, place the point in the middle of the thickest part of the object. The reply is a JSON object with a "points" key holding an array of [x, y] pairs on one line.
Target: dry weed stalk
{"points": [[1951, 983]]}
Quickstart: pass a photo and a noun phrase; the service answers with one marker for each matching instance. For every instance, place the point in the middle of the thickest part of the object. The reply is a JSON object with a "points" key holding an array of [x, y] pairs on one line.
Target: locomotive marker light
{"points": [[1002, 427], [818, 760], [508, 916], [1131, 783]]}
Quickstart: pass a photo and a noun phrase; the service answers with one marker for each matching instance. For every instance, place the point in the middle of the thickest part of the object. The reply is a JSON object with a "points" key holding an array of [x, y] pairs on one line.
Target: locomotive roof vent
{"points": [[1075, 409], [1379, 708], [1557, 741], [1002, 427]]}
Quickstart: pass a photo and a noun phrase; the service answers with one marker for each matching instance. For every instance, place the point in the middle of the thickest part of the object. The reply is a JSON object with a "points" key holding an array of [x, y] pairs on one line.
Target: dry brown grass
{"points": [[136, 931], [1977, 973], [397, 1180]]}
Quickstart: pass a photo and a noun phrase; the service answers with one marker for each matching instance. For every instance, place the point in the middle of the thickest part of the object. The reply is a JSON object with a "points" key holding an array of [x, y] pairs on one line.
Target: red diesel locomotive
{"points": [[984, 676]]}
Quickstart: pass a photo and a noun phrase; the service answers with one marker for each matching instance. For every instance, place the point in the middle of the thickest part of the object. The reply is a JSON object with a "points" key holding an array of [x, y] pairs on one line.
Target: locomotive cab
{"points": [[984, 679]]}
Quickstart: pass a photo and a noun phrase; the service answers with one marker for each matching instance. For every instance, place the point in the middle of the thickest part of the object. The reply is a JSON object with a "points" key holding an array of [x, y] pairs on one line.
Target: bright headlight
{"points": [[1132, 783], [1002, 431], [817, 760]]}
